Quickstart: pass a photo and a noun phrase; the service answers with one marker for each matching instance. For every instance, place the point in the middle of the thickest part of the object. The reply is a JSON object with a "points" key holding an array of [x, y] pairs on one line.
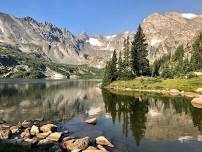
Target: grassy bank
{"points": [[141, 83]]}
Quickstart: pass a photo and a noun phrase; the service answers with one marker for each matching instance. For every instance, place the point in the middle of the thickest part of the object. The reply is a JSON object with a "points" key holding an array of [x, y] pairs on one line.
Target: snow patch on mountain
{"points": [[189, 15], [95, 42], [155, 41], [111, 36]]}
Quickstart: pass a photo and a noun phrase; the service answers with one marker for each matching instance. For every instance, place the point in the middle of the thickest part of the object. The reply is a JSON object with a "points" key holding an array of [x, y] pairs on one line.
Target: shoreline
{"points": [[48, 136], [172, 92]]}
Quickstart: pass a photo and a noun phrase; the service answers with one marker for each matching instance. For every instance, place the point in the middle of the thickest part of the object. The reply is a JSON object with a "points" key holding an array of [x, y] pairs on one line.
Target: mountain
{"points": [[164, 32]]}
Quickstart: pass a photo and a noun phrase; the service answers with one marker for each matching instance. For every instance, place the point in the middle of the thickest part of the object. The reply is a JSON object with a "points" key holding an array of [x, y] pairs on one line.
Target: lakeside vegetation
{"points": [[188, 85], [172, 71], [34, 66]]}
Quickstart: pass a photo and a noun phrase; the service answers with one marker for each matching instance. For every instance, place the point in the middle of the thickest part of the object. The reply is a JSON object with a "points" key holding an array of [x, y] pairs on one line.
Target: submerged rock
{"points": [[92, 149], [34, 130], [102, 148], [91, 121], [54, 136], [103, 141], [75, 144]]}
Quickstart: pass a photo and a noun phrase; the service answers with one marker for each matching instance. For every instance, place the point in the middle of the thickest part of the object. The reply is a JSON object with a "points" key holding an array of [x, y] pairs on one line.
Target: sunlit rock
{"points": [[103, 141], [54, 136], [91, 121], [74, 144], [34, 130]]}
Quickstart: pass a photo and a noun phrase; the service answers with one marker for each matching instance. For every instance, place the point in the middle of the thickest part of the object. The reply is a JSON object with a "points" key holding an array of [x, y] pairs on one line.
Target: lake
{"points": [[138, 123]]}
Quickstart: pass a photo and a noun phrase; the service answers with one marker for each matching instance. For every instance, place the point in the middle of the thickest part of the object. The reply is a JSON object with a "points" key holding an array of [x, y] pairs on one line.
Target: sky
{"points": [[104, 17]]}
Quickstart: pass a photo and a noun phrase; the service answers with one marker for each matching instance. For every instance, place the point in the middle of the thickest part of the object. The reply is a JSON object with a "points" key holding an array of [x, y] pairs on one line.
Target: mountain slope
{"points": [[164, 32]]}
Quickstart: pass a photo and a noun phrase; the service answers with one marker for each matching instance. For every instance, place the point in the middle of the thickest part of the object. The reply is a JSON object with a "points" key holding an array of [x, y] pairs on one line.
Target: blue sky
{"points": [[96, 16]]}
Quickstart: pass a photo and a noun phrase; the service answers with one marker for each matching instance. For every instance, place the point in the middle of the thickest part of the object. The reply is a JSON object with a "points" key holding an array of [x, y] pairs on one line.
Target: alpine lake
{"points": [[140, 122]]}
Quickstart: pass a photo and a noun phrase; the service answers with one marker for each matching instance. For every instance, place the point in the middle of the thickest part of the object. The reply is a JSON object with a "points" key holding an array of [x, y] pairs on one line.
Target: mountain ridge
{"points": [[164, 32]]}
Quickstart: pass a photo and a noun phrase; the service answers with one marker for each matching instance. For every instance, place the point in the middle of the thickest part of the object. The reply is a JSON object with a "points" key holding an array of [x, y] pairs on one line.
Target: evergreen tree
{"points": [[110, 73], [120, 67], [114, 66], [107, 79], [196, 59], [179, 54], [139, 53], [126, 52]]}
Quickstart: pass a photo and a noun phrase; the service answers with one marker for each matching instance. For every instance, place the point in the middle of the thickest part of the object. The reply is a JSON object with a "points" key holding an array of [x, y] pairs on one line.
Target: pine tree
{"points": [[139, 53], [126, 52], [110, 73], [120, 67], [196, 59], [114, 66], [107, 79]]}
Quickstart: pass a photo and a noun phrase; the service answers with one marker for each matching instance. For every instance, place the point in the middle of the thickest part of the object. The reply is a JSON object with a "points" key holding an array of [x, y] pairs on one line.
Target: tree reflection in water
{"points": [[132, 111]]}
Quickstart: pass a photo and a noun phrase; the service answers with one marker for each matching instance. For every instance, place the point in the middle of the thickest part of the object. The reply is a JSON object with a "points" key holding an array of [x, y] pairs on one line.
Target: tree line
{"points": [[184, 61], [132, 63]]}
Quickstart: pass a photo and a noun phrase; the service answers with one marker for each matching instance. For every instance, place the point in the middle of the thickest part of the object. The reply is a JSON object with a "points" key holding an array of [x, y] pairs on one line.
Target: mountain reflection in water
{"points": [[144, 119]]}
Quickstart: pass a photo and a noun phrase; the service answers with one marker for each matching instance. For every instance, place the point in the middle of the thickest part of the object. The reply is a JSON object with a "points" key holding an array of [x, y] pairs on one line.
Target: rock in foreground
{"points": [[75, 144], [197, 102], [103, 141], [91, 121]]}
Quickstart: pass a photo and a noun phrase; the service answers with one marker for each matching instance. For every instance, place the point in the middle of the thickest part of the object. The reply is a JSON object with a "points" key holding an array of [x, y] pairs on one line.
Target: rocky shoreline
{"points": [[172, 92], [47, 136]]}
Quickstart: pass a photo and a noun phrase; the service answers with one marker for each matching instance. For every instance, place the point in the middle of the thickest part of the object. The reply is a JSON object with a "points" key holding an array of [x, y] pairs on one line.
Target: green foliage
{"points": [[110, 73], [139, 53], [126, 52], [196, 59]]}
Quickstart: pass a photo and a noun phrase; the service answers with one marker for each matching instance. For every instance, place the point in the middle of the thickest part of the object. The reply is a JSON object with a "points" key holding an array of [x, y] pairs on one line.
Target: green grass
{"points": [[151, 83]]}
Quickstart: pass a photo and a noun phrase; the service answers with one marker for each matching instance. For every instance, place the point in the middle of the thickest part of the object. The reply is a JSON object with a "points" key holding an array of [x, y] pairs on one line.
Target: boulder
{"points": [[75, 144], [25, 134], [102, 148], [199, 90], [48, 128], [197, 102], [101, 140], [54, 136], [14, 129], [34, 130], [43, 135], [68, 138], [174, 92], [5, 134], [26, 124], [92, 149], [91, 121]]}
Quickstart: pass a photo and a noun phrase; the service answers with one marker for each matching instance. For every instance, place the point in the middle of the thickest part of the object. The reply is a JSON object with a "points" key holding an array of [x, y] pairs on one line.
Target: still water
{"points": [[139, 123]]}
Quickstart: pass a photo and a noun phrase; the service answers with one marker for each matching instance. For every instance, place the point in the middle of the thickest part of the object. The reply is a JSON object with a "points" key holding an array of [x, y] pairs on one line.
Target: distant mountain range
{"points": [[164, 32]]}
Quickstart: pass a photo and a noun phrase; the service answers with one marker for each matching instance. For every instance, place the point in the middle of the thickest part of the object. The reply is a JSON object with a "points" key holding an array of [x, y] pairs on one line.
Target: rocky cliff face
{"points": [[163, 32]]}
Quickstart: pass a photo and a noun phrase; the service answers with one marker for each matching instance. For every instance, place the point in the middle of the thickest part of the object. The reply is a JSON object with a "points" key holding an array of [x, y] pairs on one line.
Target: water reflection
{"points": [[154, 117], [54, 100], [142, 119]]}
